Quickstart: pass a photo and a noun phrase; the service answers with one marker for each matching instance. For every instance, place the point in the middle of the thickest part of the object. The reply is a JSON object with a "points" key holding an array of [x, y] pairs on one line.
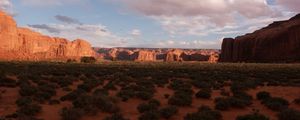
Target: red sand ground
{"points": [[129, 108]]}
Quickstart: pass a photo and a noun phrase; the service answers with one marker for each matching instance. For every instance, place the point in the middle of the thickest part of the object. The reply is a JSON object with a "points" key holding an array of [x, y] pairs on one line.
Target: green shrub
{"points": [[204, 93], [151, 105], [71, 114], [88, 60], [276, 103], [24, 101], [53, 102], [289, 114], [29, 110], [150, 115], [297, 101], [115, 116], [263, 95], [222, 103], [27, 90], [204, 113], [180, 99], [7, 82], [253, 116], [168, 112]]}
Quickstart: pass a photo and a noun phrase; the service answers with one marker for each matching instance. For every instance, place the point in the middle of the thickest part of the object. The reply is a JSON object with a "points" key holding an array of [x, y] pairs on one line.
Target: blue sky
{"points": [[149, 23]]}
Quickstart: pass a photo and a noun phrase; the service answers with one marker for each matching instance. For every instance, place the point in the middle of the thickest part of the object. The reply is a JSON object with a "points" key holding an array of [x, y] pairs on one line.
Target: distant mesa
{"points": [[278, 42], [159, 54], [24, 44]]}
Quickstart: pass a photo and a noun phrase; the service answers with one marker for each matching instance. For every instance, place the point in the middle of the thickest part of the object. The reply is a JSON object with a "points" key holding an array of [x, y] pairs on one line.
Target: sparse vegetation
{"points": [[289, 114], [103, 88], [204, 113], [253, 116]]}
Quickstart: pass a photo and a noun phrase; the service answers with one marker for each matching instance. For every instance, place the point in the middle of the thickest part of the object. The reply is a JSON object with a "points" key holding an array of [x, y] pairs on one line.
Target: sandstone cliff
{"points": [[143, 55], [278, 42], [24, 44]]}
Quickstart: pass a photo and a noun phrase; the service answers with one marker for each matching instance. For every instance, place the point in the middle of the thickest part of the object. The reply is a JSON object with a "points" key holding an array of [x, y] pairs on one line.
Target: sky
{"points": [[149, 23]]}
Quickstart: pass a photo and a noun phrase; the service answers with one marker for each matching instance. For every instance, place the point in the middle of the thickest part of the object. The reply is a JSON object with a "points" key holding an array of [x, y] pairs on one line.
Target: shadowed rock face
{"points": [[278, 42], [24, 44]]}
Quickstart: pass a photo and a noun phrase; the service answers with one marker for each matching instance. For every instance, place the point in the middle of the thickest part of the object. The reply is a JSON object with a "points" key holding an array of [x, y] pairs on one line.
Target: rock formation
{"points": [[144, 55], [24, 44], [278, 42], [174, 55]]}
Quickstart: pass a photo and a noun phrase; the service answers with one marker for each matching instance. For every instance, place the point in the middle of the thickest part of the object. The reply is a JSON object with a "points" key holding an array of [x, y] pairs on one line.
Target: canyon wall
{"points": [[25, 44], [278, 42]]}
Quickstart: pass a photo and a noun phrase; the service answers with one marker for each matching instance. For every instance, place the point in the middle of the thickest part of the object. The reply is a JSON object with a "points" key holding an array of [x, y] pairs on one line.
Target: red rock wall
{"points": [[279, 42], [24, 44]]}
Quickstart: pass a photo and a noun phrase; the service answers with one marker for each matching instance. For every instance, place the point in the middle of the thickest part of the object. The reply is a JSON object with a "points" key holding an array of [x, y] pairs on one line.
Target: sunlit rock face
{"points": [[25, 44], [278, 42]]}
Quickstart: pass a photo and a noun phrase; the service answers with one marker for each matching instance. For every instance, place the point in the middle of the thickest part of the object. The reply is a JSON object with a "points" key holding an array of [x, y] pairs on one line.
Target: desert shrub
{"points": [[150, 106], [204, 93], [101, 92], [144, 95], [224, 92], [110, 86], [240, 99], [289, 114], [243, 85], [201, 84], [45, 92], [115, 116], [263, 95], [29, 110], [154, 102], [141, 92], [71, 113], [297, 101], [72, 95], [24, 101], [27, 90], [150, 115], [71, 61], [125, 94], [168, 112], [180, 99], [253, 116], [88, 60], [6, 82], [53, 102], [167, 96], [204, 113], [276, 103], [179, 85], [222, 103]]}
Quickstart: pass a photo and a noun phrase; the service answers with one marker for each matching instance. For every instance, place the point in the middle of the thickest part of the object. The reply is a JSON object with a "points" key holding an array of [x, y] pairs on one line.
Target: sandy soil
{"points": [[129, 108]]}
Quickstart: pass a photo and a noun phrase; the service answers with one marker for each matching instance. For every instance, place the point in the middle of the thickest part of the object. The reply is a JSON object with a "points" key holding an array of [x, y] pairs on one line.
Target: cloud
{"points": [[66, 19], [136, 32], [290, 4], [97, 35], [5, 4], [201, 17], [42, 3]]}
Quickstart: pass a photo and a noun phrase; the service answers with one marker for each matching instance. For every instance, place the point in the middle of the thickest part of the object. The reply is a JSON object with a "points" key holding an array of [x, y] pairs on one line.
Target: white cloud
{"points": [[290, 4], [6, 5], [97, 35], [41, 3], [205, 44], [204, 17], [136, 32]]}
